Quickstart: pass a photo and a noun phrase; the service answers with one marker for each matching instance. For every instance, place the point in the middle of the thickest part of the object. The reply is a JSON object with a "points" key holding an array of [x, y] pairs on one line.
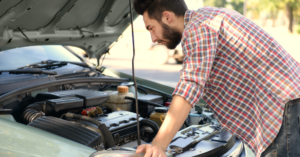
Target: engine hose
{"points": [[106, 109], [152, 125], [106, 136], [142, 89], [33, 112], [186, 124]]}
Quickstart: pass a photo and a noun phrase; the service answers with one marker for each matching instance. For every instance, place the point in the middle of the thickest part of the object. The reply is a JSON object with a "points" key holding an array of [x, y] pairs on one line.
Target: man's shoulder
{"points": [[211, 17], [209, 13], [203, 17], [208, 10]]}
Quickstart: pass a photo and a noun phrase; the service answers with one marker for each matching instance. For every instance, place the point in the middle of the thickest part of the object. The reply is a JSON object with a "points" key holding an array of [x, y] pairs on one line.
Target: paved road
{"points": [[167, 74], [120, 59]]}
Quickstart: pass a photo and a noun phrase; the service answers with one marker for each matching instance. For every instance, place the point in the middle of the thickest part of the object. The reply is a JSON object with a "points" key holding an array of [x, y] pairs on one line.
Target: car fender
{"points": [[21, 140]]}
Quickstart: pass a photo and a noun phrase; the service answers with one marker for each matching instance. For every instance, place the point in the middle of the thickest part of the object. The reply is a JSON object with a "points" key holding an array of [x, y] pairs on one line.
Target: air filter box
{"points": [[90, 97], [56, 105]]}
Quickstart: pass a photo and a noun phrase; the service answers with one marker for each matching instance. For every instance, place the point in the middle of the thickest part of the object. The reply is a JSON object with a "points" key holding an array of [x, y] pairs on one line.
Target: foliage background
{"points": [[281, 12]]}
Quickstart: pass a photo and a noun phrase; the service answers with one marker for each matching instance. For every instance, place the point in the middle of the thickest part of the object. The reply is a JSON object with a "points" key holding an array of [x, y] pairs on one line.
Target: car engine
{"points": [[51, 109]]}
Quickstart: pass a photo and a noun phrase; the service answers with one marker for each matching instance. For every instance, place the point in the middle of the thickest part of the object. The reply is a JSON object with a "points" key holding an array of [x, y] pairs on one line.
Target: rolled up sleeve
{"points": [[199, 46]]}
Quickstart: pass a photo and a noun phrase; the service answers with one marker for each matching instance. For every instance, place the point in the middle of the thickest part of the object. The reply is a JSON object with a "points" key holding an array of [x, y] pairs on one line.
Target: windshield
{"points": [[18, 57]]}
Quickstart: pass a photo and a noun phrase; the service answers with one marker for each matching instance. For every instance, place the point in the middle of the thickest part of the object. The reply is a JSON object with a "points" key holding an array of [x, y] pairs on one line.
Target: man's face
{"points": [[161, 32]]}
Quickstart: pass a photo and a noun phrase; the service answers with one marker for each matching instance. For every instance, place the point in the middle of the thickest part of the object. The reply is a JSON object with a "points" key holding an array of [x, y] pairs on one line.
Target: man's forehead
{"points": [[148, 21]]}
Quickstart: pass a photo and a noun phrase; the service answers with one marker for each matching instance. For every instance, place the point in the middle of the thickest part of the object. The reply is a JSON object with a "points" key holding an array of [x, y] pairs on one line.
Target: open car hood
{"points": [[93, 25]]}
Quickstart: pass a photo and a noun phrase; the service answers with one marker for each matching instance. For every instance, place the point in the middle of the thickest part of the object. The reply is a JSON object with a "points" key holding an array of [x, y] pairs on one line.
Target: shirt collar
{"points": [[188, 15]]}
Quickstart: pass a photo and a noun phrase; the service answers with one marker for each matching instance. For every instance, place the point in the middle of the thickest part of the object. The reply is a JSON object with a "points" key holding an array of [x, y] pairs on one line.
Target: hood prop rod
{"points": [[24, 34], [133, 75]]}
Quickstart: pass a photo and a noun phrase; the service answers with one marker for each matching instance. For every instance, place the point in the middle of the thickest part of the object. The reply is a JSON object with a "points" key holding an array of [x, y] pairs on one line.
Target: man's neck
{"points": [[179, 24]]}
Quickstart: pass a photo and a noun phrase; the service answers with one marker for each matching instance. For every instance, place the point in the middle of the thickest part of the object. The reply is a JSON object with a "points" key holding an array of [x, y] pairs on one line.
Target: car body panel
{"points": [[7, 117], [22, 140], [92, 25]]}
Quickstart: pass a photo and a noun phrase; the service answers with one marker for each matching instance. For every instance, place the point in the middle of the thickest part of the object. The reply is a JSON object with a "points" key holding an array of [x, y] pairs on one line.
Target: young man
{"points": [[251, 83]]}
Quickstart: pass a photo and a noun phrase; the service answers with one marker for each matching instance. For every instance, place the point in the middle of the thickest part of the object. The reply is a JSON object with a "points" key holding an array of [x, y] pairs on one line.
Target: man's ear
{"points": [[167, 17]]}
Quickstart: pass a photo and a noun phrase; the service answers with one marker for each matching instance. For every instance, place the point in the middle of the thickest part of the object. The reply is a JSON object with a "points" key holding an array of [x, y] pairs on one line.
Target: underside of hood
{"points": [[93, 25]]}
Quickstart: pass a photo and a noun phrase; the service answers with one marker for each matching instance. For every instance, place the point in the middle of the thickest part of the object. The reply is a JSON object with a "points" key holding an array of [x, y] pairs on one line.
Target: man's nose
{"points": [[153, 37]]}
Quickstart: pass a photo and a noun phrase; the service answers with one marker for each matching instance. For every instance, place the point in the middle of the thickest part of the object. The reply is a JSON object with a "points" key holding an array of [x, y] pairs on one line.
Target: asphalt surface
{"points": [[167, 74]]}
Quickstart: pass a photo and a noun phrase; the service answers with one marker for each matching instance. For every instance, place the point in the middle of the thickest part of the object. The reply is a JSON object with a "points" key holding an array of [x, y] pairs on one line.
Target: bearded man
{"points": [[251, 83]]}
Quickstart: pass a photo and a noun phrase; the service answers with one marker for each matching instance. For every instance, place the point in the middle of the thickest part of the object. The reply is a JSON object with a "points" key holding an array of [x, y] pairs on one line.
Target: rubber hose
{"points": [[32, 112], [28, 114], [186, 124], [105, 108], [110, 142], [142, 89], [102, 89], [106, 136], [36, 106], [152, 125]]}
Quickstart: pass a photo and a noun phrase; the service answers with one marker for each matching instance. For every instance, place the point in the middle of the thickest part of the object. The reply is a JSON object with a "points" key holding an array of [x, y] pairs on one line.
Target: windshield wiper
{"points": [[50, 63], [29, 71]]}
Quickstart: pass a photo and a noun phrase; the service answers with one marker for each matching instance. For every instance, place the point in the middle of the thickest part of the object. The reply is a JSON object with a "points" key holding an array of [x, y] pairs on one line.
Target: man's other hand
{"points": [[151, 150]]}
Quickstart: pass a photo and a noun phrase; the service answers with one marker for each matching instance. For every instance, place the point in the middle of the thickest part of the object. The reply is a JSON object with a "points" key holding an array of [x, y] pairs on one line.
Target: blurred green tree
{"points": [[215, 3], [272, 7], [292, 7], [237, 5], [255, 8]]}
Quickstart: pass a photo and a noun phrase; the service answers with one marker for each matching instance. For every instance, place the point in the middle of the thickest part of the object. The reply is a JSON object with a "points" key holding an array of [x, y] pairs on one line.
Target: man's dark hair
{"points": [[155, 8]]}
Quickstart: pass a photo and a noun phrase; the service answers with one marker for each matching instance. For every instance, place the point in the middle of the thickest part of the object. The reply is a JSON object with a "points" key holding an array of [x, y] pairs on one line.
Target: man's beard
{"points": [[172, 35]]}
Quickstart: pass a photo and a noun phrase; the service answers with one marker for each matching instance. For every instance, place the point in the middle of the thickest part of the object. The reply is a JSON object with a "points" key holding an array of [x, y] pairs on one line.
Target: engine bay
{"points": [[49, 111], [82, 111]]}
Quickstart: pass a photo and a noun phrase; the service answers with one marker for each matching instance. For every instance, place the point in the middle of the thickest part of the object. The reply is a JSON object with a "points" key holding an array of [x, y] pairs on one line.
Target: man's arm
{"points": [[199, 47], [178, 111]]}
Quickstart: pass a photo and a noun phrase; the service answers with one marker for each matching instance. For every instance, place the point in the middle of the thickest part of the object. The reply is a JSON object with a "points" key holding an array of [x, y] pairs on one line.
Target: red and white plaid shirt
{"points": [[240, 71]]}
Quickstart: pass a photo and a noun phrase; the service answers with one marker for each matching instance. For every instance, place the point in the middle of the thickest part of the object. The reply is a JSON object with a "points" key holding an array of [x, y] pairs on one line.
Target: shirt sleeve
{"points": [[199, 46]]}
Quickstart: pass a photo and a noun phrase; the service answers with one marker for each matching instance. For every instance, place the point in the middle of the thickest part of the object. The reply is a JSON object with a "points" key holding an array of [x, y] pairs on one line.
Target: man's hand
{"points": [[178, 111], [151, 150]]}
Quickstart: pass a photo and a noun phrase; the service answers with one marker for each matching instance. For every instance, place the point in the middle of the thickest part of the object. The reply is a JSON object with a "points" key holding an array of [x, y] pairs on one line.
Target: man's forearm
{"points": [[178, 111]]}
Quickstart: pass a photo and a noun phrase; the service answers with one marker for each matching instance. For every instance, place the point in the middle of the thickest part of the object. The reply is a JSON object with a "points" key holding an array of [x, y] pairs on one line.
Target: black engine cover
{"points": [[121, 124], [71, 99]]}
